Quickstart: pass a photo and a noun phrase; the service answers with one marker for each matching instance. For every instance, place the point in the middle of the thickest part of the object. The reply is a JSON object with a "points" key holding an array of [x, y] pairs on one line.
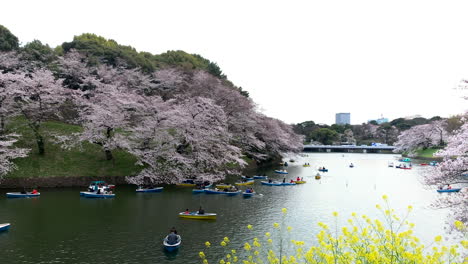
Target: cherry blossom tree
{"points": [[36, 96], [422, 136], [453, 170], [8, 152], [186, 139]]}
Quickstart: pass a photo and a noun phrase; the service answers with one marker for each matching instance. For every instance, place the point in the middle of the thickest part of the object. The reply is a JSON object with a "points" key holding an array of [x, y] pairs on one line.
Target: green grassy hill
{"points": [[90, 161]]}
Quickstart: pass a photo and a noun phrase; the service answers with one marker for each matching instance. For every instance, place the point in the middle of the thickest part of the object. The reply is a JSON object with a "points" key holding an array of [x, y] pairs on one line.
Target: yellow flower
{"points": [[438, 238], [275, 225], [201, 254], [284, 210], [228, 256], [233, 251], [205, 261], [270, 240], [410, 208], [353, 214], [226, 239], [207, 244], [267, 234], [289, 228], [223, 243], [385, 197], [335, 214], [459, 225], [378, 206], [249, 226], [222, 261], [247, 246]]}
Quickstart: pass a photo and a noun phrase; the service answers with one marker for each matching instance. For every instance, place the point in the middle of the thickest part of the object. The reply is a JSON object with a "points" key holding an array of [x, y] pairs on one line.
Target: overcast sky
{"points": [[299, 60]]}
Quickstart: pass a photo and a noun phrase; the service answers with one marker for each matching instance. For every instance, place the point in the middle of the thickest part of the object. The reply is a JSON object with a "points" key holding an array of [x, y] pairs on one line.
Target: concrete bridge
{"points": [[349, 148]]}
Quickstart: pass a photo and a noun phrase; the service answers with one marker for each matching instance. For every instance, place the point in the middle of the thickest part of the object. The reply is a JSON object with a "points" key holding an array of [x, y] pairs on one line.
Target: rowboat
{"points": [[97, 195], [208, 191], [4, 227], [195, 215], [198, 190], [247, 178], [300, 182], [150, 190], [305, 165], [275, 183], [281, 171], [186, 184], [403, 168], [260, 177], [351, 166], [449, 190], [223, 186], [323, 170], [22, 195], [405, 160], [424, 164], [245, 183], [172, 247], [288, 183], [248, 194], [317, 177]]}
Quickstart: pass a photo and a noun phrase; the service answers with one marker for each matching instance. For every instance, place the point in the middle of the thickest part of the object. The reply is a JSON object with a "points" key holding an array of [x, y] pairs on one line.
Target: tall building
{"points": [[343, 118]]}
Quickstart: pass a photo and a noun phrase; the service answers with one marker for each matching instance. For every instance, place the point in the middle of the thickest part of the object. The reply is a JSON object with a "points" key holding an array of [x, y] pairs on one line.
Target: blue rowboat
{"points": [[248, 178], [172, 247], [246, 194], [323, 170], [96, 195], [4, 227], [22, 195], [281, 171], [152, 190], [198, 190], [275, 183], [449, 190], [222, 192], [260, 177], [287, 183]]}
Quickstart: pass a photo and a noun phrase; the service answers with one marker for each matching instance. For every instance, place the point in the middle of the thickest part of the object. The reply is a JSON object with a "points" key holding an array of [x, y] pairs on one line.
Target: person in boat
{"points": [[270, 181], [298, 179], [173, 230], [34, 191], [172, 238], [186, 211], [302, 178], [201, 211], [292, 181], [449, 187], [284, 180]]}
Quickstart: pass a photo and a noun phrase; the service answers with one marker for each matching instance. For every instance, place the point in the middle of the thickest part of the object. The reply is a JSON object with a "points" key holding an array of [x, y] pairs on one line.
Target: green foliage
{"points": [[102, 50], [8, 41], [324, 135], [108, 51], [340, 128], [36, 51], [404, 124], [57, 162]]}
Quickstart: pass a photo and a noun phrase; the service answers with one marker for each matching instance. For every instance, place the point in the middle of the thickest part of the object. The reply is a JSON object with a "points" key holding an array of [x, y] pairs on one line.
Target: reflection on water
{"points": [[62, 227]]}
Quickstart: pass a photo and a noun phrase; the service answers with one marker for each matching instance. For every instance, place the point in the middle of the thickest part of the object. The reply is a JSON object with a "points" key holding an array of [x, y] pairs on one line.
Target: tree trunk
{"points": [[108, 154], [40, 144]]}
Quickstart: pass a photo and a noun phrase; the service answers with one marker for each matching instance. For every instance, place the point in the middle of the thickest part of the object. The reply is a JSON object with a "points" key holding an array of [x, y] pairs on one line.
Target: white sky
{"points": [[299, 60]]}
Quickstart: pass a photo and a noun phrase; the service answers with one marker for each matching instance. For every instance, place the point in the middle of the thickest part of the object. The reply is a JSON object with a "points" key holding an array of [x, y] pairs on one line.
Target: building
{"points": [[343, 118], [379, 120]]}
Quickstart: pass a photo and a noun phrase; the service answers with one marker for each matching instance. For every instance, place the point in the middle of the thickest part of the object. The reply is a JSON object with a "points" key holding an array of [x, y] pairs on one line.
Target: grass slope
{"points": [[426, 153], [66, 163]]}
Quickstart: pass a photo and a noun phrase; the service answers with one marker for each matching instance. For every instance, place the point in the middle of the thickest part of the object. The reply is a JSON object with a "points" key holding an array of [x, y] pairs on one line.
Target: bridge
{"points": [[349, 148]]}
